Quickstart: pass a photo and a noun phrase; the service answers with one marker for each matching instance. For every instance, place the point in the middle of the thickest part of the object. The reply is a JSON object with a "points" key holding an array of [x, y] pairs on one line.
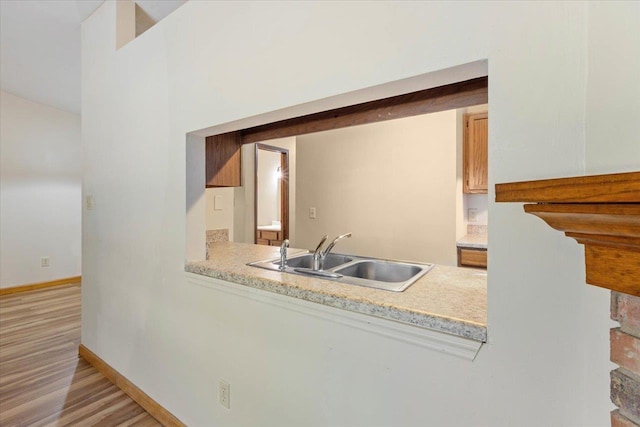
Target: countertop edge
{"points": [[451, 326], [473, 241]]}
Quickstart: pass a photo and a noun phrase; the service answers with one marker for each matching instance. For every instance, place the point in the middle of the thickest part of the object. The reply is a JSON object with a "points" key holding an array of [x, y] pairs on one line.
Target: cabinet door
{"points": [[269, 235], [475, 153], [222, 154], [472, 258]]}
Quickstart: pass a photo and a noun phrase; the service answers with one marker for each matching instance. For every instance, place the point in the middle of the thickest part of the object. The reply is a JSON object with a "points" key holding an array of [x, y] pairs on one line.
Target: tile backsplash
{"points": [[477, 229], [214, 236]]}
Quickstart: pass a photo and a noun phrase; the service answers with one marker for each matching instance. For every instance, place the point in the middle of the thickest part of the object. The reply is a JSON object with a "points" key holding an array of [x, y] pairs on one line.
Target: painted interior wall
{"points": [[268, 187], [479, 202], [40, 188], [541, 365], [196, 202], [613, 92], [392, 184], [220, 211]]}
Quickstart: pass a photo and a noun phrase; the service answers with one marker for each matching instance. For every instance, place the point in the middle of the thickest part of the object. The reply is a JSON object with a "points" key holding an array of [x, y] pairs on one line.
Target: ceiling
{"points": [[40, 46]]}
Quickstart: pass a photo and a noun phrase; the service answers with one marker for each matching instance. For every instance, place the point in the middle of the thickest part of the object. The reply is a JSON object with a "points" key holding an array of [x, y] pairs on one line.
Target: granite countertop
{"points": [[447, 299], [474, 241]]}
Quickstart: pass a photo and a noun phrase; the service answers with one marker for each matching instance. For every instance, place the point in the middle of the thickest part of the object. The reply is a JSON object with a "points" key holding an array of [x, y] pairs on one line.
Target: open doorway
{"points": [[271, 195]]}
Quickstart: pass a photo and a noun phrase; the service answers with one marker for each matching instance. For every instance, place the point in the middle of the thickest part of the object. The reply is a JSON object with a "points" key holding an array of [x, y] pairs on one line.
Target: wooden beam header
{"points": [[456, 95]]}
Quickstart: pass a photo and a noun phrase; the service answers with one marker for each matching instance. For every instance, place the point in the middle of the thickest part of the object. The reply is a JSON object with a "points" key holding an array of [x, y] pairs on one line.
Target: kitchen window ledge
{"points": [[447, 305], [446, 343]]}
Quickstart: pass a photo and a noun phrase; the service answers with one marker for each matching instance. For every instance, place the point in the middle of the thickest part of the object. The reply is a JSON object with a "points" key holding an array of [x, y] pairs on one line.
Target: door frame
{"points": [[284, 189]]}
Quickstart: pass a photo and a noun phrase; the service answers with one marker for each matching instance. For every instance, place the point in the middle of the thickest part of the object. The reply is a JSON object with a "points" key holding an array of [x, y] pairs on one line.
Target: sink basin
{"points": [[382, 271], [353, 270], [306, 261], [393, 276]]}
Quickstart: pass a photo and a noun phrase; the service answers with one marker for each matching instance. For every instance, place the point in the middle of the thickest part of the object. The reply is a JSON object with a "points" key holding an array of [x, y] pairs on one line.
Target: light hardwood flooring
{"points": [[43, 382]]}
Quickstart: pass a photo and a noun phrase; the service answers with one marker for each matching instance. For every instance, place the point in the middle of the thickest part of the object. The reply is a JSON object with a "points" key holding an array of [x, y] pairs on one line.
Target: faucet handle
{"points": [[324, 239], [333, 243], [342, 236]]}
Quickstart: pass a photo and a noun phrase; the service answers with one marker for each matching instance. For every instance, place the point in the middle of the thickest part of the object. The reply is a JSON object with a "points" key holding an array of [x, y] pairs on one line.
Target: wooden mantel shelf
{"points": [[600, 211]]}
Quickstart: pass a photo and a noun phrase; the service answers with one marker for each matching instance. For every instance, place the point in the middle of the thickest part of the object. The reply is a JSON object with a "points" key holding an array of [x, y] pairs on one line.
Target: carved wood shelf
{"points": [[602, 212]]}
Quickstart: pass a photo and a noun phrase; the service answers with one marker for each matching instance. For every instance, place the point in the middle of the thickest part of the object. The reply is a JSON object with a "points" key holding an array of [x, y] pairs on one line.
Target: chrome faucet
{"points": [[319, 255], [283, 254]]}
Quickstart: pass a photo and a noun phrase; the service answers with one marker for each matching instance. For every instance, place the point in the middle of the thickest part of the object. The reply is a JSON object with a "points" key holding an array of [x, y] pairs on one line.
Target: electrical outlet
{"points": [[225, 394], [473, 215], [312, 213], [44, 261], [89, 201]]}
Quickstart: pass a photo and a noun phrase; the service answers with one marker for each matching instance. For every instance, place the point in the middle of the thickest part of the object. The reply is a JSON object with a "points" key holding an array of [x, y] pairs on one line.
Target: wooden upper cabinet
{"points": [[475, 153], [223, 157]]}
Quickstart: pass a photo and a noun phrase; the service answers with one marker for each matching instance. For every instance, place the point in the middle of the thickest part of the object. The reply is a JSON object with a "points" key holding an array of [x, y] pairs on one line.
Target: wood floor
{"points": [[43, 382]]}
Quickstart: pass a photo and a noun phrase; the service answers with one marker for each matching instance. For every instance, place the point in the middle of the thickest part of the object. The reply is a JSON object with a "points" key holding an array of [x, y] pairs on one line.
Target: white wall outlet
{"points": [[44, 261], [312, 213], [89, 202], [472, 215], [225, 394]]}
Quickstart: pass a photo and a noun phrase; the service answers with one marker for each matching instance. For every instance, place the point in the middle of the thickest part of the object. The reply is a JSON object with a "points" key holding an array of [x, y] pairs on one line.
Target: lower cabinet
{"points": [[269, 237], [471, 257]]}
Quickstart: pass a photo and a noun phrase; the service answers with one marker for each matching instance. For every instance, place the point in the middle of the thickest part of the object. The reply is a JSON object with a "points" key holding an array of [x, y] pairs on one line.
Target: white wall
{"points": [[480, 203], [541, 366], [40, 192], [392, 184], [196, 199], [220, 214], [613, 144]]}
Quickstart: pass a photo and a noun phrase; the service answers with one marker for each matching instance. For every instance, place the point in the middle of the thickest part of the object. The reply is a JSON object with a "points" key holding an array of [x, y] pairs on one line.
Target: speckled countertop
{"points": [[475, 241], [447, 299]]}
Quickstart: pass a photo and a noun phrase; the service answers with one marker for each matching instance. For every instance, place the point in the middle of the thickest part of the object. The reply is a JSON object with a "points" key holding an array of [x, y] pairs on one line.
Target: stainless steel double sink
{"points": [[376, 273]]}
